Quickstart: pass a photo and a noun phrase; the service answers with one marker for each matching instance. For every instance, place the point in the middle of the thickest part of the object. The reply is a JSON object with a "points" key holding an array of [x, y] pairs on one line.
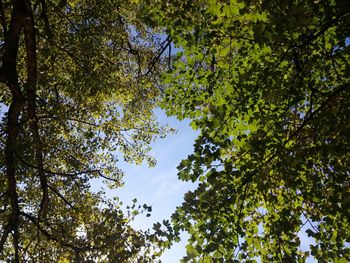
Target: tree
{"points": [[78, 85], [267, 84]]}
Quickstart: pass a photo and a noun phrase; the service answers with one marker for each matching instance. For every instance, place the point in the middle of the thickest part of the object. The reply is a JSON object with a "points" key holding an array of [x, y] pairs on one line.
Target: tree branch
{"points": [[30, 42], [9, 76], [49, 236], [323, 105], [61, 196], [67, 174], [166, 43]]}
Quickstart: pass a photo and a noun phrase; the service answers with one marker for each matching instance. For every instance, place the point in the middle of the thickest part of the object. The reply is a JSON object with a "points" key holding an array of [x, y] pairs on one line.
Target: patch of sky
{"points": [[158, 186], [347, 41]]}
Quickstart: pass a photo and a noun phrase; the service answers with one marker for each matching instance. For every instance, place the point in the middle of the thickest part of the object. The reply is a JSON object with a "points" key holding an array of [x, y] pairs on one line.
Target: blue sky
{"points": [[159, 186]]}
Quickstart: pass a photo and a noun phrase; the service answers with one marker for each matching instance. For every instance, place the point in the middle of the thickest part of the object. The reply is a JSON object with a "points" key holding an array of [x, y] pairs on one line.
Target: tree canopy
{"points": [[79, 82], [267, 85], [265, 82]]}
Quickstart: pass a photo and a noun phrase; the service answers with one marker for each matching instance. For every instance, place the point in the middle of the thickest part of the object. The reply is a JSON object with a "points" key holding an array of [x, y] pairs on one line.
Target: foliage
{"points": [[267, 84], [78, 84]]}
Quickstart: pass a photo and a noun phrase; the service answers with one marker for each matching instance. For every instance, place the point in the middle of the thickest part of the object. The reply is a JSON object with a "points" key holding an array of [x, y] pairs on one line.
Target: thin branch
{"points": [[37, 222], [25, 249], [308, 220], [106, 177], [7, 229], [57, 8], [313, 37], [45, 18], [165, 45], [45, 232], [70, 119], [169, 57], [15, 236], [313, 114], [77, 61], [61, 196], [134, 51], [67, 174], [335, 67]]}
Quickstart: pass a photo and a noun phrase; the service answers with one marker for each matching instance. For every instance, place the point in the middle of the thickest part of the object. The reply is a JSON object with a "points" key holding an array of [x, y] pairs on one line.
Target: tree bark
{"points": [[21, 18]]}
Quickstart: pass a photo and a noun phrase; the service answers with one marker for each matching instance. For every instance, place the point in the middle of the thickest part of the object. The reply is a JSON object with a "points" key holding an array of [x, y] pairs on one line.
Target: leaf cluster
{"points": [[267, 85], [79, 83]]}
